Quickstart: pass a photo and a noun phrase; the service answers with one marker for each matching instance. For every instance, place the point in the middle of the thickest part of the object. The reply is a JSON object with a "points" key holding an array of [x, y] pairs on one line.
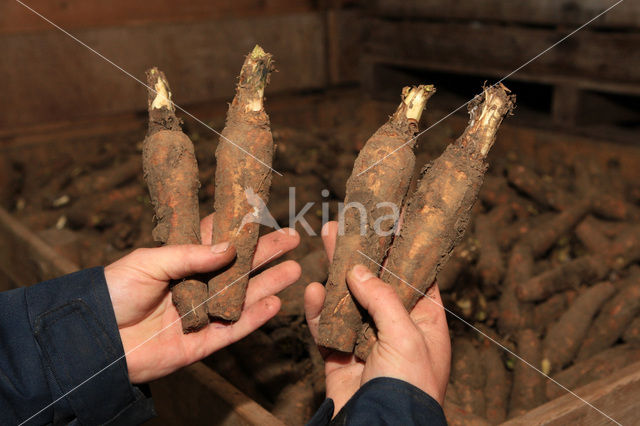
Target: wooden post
{"points": [[565, 105]]}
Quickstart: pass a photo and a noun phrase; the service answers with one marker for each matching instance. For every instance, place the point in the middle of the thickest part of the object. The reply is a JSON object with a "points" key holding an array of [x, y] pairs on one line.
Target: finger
{"points": [[380, 300], [206, 229], [179, 261], [329, 234], [314, 296], [429, 309], [221, 335], [272, 281], [431, 319], [274, 245]]}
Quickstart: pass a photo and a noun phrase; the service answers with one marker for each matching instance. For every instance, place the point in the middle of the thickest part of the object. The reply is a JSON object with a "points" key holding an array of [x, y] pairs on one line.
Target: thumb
{"points": [[380, 300], [180, 261]]}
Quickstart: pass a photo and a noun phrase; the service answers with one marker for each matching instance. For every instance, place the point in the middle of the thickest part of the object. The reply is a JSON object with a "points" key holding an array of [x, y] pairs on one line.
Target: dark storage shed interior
{"points": [[565, 168]]}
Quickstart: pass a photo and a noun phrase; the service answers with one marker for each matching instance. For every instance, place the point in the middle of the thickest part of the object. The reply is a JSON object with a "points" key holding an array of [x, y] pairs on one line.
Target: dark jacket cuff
{"points": [[384, 401], [75, 328]]}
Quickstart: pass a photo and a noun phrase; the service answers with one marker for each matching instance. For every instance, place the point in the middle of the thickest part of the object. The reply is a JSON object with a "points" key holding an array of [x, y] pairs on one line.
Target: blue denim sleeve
{"points": [[383, 401], [62, 359]]}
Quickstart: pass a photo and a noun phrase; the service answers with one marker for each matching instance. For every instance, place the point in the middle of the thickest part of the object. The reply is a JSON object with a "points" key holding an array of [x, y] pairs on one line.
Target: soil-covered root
{"points": [[543, 192], [545, 235], [537, 241], [468, 376], [490, 262], [243, 179], [632, 332], [171, 172], [463, 256], [550, 310], [590, 235], [369, 232], [528, 385], [611, 322], [610, 206], [625, 248], [104, 179], [438, 212], [509, 235], [605, 192], [564, 337], [496, 192], [585, 269], [103, 209], [519, 269], [498, 383]]}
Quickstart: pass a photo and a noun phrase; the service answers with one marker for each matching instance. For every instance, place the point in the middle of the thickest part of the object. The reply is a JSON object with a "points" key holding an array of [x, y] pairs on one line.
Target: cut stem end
{"points": [[160, 96], [414, 101], [254, 77], [487, 111]]}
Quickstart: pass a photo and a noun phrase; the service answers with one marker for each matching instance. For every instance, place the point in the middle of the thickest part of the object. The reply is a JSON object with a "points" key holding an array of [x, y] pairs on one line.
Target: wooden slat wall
{"points": [[346, 32], [542, 12], [47, 76], [74, 14], [608, 61]]}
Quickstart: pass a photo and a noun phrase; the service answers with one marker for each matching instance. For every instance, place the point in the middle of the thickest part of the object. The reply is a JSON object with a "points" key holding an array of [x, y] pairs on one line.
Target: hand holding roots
{"points": [[171, 173], [434, 220], [243, 178], [438, 212], [340, 318]]}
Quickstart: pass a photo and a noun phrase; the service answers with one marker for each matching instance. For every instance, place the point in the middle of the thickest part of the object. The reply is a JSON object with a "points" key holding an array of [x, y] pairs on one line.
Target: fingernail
{"points": [[220, 247], [362, 273]]}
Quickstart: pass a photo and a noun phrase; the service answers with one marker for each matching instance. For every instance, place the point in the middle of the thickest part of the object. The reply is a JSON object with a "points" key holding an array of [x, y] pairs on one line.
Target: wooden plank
{"points": [[194, 395], [50, 77], [94, 129], [61, 132], [77, 14], [617, 396], [185, 398], [541, 12], [586, 60], [623, 88], [24, 257], [345, 35]]}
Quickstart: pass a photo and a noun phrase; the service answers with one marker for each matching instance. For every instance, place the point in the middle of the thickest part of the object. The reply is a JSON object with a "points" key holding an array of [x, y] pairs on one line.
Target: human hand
{"points": [[139, 289], [412, 347]]}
